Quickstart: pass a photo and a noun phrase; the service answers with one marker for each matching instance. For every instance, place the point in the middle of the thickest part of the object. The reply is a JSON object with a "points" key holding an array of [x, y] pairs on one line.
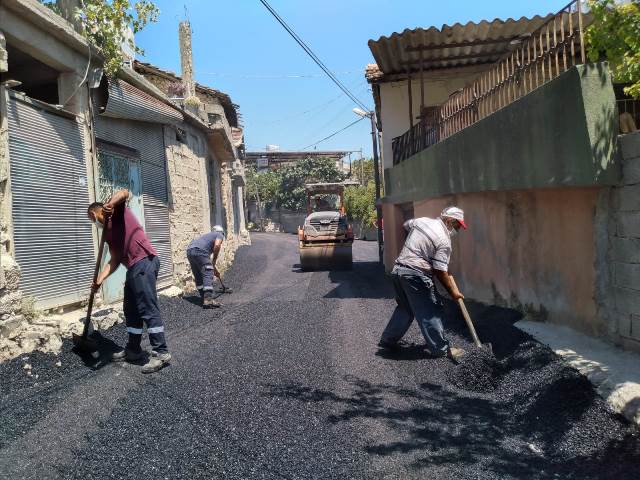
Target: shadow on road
{"points": [[406, 353], [365, 280], [439, 426]]}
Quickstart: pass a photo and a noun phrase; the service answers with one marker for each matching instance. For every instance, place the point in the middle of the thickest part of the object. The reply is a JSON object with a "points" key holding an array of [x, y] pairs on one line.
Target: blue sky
{"points": [[284, 98]]}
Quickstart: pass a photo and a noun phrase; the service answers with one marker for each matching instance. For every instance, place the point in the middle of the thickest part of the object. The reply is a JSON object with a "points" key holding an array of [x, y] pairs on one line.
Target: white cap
{"points": [[455, 213], [218, 228]]}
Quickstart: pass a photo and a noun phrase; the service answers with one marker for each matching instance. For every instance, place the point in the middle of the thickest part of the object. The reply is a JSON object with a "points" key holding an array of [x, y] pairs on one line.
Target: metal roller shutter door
{"points": [[148, 139], [53, 238]]}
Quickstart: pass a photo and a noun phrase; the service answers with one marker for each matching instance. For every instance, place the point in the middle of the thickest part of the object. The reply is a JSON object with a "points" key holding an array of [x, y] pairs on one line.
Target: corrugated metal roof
{"points": [[129, 102], [451, 46]]}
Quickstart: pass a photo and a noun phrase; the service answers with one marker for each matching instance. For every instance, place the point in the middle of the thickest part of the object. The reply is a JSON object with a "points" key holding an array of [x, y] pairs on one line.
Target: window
{"points": [[37, 80], [181, 135]]}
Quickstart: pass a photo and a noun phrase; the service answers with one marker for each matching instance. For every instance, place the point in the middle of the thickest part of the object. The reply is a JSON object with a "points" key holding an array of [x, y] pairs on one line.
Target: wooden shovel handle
{"points": [[467, 317], [96, 270]]}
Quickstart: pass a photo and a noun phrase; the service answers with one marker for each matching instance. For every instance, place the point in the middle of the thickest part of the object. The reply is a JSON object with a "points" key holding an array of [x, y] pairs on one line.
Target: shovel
{"points": [[225, 289], [467, 319], [82, 342]]}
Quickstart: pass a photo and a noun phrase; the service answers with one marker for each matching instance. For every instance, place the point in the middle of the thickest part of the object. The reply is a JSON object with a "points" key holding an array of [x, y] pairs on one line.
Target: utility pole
{"points": [[361, 169], [376, 172], [376, 176]]}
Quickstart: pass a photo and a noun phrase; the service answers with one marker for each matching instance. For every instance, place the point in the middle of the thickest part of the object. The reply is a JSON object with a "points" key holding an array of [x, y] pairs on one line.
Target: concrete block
{"points": [[627, 275], [625, 250], [627, 198], [10, 324], [10, 303], [630, 145], [627, 224], [627, 301], [631, 171], [11, 271], [635, 327], [624, 325]]}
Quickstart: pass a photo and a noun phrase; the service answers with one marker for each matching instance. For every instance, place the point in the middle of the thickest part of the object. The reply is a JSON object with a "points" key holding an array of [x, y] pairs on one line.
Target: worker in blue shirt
{"points": [[199, 253]]}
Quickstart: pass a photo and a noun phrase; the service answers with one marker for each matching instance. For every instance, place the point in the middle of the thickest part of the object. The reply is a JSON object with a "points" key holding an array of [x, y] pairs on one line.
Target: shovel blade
{"points": [[84, 344]]}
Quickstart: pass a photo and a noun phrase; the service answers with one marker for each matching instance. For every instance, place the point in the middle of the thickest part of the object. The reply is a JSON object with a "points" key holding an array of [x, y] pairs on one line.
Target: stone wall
{"points": [[189, 209], [11, 318], [192, 201], [624, 247], [233, 240]]}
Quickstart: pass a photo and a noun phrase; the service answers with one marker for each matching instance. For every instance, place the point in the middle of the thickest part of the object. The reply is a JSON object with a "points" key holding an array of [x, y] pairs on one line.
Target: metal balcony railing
{"points": [[632, 107], [549, 51]]}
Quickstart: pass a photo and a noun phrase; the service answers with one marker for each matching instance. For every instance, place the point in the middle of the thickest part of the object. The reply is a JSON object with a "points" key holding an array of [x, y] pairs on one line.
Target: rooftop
{"points": [[230, 108], [451, 46]]}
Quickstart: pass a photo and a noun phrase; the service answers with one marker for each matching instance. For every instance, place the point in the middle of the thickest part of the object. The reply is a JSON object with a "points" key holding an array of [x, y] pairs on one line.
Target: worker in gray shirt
{"points": [[204, 269], [425, 255]]}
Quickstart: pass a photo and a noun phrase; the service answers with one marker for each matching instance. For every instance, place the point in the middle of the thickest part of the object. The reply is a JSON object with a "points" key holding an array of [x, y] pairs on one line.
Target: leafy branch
{"points": [[615, 36], [106, 24]]}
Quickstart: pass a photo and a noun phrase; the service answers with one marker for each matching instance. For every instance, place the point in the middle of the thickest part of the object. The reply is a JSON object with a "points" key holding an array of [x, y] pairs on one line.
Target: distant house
{"points": [[506, 119]]}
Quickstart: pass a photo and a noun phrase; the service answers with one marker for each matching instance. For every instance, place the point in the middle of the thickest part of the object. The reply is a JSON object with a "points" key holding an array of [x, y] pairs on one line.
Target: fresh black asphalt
{"points": [[286, 382]]}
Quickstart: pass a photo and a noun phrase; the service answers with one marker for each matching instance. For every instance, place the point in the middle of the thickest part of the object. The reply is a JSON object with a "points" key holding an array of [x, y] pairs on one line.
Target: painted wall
{"points": [[562, 134], [394, 101], [529, 250]]}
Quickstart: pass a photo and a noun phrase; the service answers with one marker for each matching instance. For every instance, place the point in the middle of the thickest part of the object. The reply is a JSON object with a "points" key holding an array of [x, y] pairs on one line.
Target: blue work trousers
{"points": [[141, 305], [417, 297], [202, 270]]}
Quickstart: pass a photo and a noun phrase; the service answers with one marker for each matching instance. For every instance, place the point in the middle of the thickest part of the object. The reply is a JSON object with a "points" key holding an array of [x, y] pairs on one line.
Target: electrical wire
{"points": [[334, 133], [329, 123], [86, 72], [319, 108], [313, 56], [251, 76]]}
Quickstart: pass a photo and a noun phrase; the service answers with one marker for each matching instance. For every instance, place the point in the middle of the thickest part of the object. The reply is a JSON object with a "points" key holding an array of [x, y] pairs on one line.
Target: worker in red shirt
{"points": [[130, 246]]}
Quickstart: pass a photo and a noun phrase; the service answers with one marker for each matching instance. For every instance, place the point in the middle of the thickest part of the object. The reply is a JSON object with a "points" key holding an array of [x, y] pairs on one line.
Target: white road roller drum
{"points": [[326, 238]]}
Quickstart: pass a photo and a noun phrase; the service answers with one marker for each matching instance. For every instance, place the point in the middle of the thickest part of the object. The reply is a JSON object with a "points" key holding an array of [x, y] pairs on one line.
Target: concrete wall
{"points": [[530, 250], [560, 135], [38, 32], [553, 207], [394, 101], [621, 295]]}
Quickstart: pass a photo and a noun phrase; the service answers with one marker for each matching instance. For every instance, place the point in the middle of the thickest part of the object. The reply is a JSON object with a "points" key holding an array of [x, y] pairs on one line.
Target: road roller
{"points": [[326, 238]]}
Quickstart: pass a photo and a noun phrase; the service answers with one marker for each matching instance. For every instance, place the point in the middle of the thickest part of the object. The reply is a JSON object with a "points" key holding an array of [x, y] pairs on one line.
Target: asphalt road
{"points": [[286, 382]]}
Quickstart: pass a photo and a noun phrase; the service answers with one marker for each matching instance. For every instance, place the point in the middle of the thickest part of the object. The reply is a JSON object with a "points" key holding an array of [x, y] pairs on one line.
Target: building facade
{"points": [[68, 138], [527, 144]]}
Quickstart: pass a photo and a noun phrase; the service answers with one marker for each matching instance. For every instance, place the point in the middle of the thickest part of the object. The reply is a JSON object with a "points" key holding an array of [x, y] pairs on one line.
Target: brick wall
{"points": [[624, 253]]}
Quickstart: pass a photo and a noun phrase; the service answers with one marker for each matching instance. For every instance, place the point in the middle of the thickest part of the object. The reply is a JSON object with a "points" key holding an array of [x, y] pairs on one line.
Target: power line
{"points": [[251, 76], [326, 124], [334, 133], [313, 56], [322, 107]]}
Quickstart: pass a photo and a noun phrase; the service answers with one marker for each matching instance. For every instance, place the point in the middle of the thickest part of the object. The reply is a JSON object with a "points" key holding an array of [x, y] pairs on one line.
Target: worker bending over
{"points": [[130, 246], [204, 269], [425, 254]]}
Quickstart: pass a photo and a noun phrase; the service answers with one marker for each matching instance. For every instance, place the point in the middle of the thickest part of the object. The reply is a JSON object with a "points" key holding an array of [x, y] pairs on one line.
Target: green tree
{"points": [[263, 188], [106, 25], [359, 204], [362, 171], [291, 194], [615, 36]]}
